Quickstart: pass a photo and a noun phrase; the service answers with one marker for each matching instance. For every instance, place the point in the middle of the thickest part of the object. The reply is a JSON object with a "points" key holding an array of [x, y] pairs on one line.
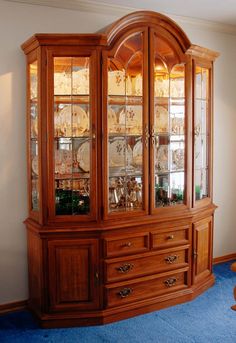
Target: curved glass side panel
{"points": [[168, 133], [201, 132], [33, 89], [125, 126], [72, 135]]}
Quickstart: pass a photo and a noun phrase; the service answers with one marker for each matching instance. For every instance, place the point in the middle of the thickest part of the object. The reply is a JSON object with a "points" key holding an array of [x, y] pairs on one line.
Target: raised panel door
{"points": [[73, 274], [202, 259]]}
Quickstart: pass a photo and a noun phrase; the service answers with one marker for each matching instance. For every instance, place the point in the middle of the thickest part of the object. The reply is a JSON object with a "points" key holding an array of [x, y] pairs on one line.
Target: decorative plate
{"points": [[112, 120], [138, 85], [83, 156], [131, 120], [116, 82], [81, 81], [35, 164], [80, 120], [161, 119], [62, 83], [177, 126], [63, 161], [162, 158], [138, 153], [120, 153], [63, 121], [178, 159]]}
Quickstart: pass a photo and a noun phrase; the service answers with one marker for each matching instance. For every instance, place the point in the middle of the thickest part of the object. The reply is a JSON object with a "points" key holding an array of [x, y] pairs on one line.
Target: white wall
{"points": [[17, 23]]}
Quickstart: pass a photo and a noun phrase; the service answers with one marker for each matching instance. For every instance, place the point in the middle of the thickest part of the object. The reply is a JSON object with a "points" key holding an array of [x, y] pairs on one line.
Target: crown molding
{"points": [[116, 10]]}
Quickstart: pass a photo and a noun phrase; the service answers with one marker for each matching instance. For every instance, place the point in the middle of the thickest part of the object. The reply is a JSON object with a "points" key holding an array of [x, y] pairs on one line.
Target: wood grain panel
{"points": [[202, 248], [126, 245], [169, 238], [126, 268], [120, 294], [73, 273], [35, 265]]}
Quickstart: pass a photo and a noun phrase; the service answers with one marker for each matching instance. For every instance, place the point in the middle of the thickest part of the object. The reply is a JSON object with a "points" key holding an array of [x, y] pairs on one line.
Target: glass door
{"points": [[33, 134], [201, 133], [127, 127], [74, 137], [168, 152]]}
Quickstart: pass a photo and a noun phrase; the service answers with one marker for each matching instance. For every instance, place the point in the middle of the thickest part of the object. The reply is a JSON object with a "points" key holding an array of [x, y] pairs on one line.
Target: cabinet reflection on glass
{"points": [[72, 135]]}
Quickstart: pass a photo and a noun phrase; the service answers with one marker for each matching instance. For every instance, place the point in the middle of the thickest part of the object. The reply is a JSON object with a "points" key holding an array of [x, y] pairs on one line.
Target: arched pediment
{"points": [[151, 19]]}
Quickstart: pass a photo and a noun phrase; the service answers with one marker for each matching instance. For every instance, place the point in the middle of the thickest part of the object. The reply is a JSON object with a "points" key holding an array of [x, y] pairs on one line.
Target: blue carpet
{"points": [[207, 319]]}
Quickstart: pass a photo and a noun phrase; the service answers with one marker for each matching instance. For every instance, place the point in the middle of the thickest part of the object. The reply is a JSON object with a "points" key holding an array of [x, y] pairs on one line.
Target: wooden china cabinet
{"points": [[119, 171]]}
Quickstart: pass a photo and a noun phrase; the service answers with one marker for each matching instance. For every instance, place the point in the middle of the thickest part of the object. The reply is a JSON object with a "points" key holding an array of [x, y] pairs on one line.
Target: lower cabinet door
{"points": [[202, 259], [73, 274]]}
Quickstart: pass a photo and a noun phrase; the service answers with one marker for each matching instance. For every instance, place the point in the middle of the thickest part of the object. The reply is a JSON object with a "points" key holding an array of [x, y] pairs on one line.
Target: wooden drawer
{"points": [[126, 245], [125, 268], [130, 291], [172, 237]]}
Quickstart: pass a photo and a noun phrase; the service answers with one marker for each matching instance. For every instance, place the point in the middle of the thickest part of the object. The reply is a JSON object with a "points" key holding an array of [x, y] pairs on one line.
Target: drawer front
{"points": [[152, 286], [140, 266], [160, 240], [125, 245]]}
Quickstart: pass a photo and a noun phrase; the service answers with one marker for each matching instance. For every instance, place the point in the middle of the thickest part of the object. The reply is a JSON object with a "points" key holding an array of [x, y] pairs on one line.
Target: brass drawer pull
{"points": [[125, 268], [171, 259], [170, 237], [170, 282], [127, 244], [125, 292]]}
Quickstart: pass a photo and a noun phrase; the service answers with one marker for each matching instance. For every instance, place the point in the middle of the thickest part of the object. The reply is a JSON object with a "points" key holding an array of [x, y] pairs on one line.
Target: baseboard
{"points": [[13, 306], [224, 258]]}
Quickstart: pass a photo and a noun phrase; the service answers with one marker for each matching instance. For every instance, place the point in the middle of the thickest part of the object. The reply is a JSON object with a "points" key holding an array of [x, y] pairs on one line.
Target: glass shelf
{"points": [[129, 100], [82, 136], [113, 174], [71, 99], [115, 135], [170, 172], [71, 176]]}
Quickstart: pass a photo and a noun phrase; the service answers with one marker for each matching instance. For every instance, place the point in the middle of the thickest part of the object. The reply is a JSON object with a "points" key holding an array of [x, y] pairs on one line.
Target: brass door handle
{"points": [[125, 292], [195, 254], [152, 135], [171, 259], [125, 268], [170, 237], [127, 244], [146, 136], [170, 282]]}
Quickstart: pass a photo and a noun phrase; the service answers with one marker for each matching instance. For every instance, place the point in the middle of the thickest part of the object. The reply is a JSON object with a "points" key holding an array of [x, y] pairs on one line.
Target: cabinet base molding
{"points": [[13, 306], [124, 312], [225, 258]]}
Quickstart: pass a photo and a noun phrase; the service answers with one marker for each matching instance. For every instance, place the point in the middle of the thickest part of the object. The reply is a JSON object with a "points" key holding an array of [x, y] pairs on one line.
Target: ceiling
{"points": [[219, 11]]}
